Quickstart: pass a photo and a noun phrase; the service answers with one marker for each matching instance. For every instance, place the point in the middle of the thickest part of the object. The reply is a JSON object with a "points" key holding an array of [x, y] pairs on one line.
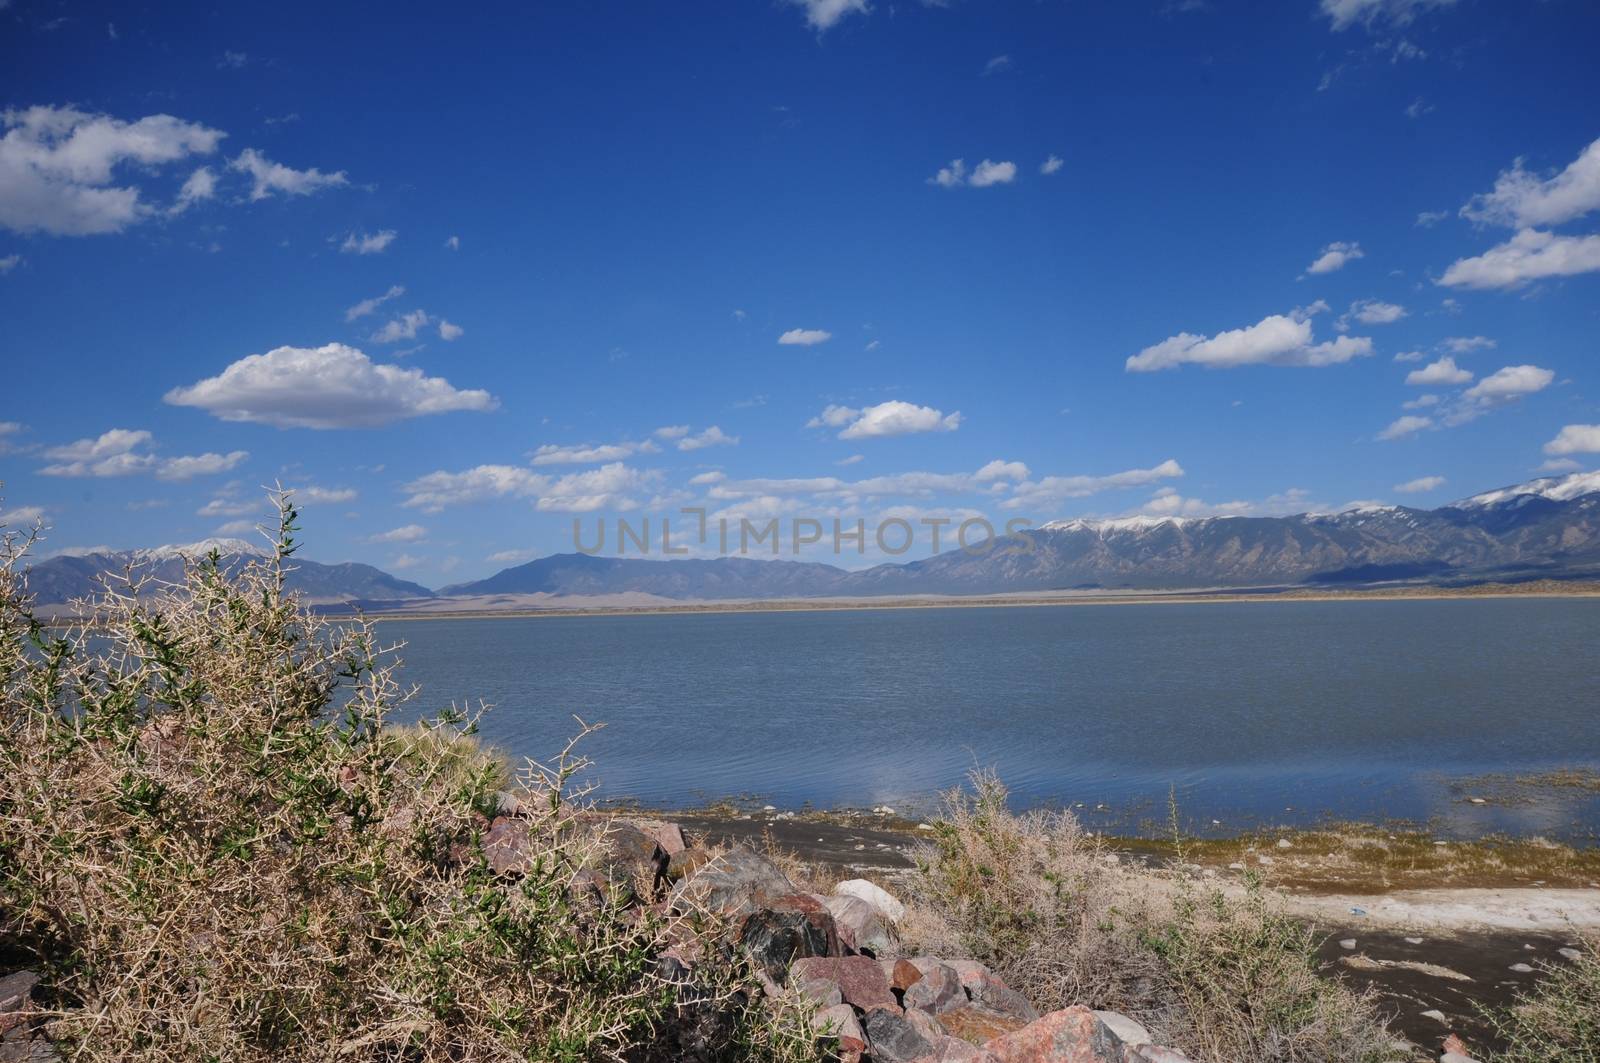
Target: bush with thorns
{"points": [[214, 845]]}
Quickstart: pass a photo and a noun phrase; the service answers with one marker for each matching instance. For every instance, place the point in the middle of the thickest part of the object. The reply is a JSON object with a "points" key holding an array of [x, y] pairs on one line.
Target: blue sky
{"points": [[725, 256]]}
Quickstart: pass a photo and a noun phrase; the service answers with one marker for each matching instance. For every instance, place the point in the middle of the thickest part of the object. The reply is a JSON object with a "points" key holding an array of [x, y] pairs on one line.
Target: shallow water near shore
{"points": [[1250, 713]]}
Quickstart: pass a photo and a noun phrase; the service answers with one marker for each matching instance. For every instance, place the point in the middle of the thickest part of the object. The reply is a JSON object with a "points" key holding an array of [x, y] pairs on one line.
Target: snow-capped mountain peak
{"points": [[1555, 488], [226, 547]]}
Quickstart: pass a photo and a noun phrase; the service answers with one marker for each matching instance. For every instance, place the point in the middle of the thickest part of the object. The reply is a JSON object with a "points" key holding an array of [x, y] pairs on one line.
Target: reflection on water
{"points": [[1247, 712]]}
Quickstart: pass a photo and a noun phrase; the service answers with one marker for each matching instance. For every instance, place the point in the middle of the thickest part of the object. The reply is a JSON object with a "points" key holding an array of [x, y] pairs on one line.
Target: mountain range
{"points": [[67, 577], [1546, 528]]}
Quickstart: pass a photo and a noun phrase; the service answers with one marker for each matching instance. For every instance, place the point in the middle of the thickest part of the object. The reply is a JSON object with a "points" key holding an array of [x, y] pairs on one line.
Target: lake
{"points": [[1281, 712]]}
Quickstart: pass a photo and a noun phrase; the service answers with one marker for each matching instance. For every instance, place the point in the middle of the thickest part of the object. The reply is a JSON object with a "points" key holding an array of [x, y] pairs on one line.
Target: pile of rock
{"points": [[842, 951]]}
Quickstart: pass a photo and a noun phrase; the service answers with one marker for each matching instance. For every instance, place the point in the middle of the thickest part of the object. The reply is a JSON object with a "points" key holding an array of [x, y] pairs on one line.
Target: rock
{"points": [[631, 854], [1347, 944], [937, 991], [33, 1050], [509, 804], [793, 928], [860, 979], [1285, 843], [884, 902], [1413, 941], [669, 836], [903, 974], [1570, 954], [508, 846], [683, 864], [822, 992], [985, 987], [1153, 1054], [839, 1022], [1521, 968], [1127, 1031], [1071, 1035], [1436, 1015], [15, 989], [860, 926], [892, 1037], [978, 1025], [949, 1049], [926, 1025], [736, 884]]}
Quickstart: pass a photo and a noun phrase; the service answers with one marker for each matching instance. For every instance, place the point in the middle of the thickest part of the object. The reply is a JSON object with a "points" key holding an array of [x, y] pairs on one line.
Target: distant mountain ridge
{"points": [[67, 577], [1547, 528]]}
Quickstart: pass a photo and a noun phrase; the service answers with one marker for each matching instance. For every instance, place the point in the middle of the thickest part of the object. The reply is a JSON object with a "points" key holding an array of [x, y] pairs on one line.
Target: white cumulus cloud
{"points": [[1528, 256], [709, 437], [1050, 491], [1051, 165], [126, 452], [408, 533], [268, 177], [1401, 427], [1522, 200], [553, 454], [1420, 484], [60, 167], [1444, 372], [1335, 256], [333, 386], [1377, 14], [988, 173], [1511, 382], [892, 418], [370, 306], [804, 337], [1575, 439], [368, 243], [1278, 339], [824, 14]]}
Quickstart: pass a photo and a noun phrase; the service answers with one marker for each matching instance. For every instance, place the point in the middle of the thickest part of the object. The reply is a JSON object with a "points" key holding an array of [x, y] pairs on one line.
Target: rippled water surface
{"points": [[1283, 711]]}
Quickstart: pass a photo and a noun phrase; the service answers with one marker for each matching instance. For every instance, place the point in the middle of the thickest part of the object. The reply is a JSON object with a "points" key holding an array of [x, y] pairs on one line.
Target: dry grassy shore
{"points": [[631, 604], [1438, 932]]}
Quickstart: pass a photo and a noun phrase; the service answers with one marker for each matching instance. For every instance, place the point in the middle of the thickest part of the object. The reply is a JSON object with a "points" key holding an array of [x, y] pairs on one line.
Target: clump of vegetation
{"points": [[1224, 976], [1030, 895], [1558, 1020], [1244, 977], [215, 846]]}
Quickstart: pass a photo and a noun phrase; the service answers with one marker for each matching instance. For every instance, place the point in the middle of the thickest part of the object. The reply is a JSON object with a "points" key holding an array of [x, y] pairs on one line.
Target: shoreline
{"points": [[1469, 889], [1543, 589]]}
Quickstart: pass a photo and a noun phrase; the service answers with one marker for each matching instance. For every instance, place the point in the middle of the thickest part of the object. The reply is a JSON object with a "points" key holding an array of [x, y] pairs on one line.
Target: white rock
{"points": [[1570, 954], [1522, 968], [1456, 1057], [1347, 944], [1127, 1031], [887, 906], [1413, 941], [1436, 1016], [1285, 843]]}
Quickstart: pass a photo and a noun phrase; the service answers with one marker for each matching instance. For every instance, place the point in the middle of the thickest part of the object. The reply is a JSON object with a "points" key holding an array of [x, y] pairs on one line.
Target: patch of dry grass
{"points": [[1371, 860], [1558, 1020], [214, 846], [1050, 909]]}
